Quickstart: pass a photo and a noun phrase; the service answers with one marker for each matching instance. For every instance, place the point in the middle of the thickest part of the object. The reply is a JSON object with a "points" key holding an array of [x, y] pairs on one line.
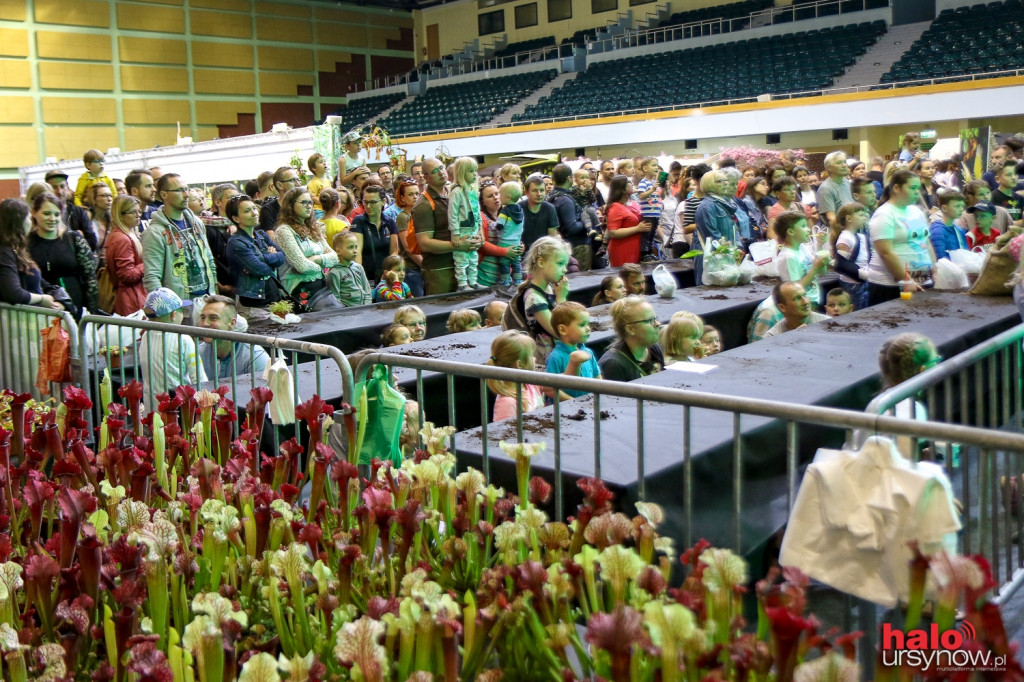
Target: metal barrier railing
{"points": [[21, 346], [979, 387], [97, 355]]}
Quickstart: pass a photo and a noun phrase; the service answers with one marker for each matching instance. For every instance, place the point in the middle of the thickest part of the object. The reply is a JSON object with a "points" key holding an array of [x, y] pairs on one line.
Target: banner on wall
{"points": [[974, 146]]}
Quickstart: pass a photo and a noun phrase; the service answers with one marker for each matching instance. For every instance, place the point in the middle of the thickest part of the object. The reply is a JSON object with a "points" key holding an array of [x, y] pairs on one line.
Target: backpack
{"points": [[515, 314], [410, 230]]}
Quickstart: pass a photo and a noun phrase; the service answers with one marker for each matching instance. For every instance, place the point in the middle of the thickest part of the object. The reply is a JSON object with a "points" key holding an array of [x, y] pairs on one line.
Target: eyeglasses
{"points": [[372, 203], [653, 321], [183, 190], [307, 202]]}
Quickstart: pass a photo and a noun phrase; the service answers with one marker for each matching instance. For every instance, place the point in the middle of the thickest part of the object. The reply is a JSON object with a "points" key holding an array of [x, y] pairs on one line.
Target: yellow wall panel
{"points": [[18, 109], [13, 11], [207, 133], [236, 5], [82, 46], [218, 54], [379, 37], [153, 78], [79, 109], [285, 58], [15, 73], [225, 25], [78, 13], [147, 137], [13, 42], [283, 84], [69, 142], [350, 18], [338, 35], [149, 18], [19, 145], [222, 113], [296, 11], [224, 81], [179, 3], [284, 30], [327, 60], [155, 111], [72, 76], [152, 50]]}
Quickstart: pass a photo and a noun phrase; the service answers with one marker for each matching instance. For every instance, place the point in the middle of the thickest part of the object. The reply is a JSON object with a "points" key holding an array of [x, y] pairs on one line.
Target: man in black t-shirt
{"points": [[539, 217]]}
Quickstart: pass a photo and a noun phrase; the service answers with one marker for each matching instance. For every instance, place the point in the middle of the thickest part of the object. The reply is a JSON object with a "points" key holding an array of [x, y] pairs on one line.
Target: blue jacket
{"points": [[946, 238], [251, 265]]}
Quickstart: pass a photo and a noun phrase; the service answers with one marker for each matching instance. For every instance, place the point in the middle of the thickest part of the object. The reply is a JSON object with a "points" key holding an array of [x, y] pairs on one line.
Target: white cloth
{"points": [[856, 512]]}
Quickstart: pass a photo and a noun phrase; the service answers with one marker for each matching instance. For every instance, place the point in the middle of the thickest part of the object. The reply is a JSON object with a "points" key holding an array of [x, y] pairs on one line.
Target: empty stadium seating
{"points": [[733, 10], [464, 104], [737, 70], [525, 46], [359, 112], [967, 40]]}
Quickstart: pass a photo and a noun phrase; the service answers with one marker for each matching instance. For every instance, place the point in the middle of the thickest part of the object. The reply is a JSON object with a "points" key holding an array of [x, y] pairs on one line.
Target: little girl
{"points": [[797, 260], [395, 335], [853, 252], [515, 350], [680, 338], [612, 289], [464, 219], [711, 340], [546, 262]]}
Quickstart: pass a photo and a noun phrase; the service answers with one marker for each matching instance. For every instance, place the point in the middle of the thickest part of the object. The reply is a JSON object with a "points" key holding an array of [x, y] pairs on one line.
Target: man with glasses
{"points": [[795, 306], [175, 253], [285, 178], [430, 216], [635, 353], [75, 217]]}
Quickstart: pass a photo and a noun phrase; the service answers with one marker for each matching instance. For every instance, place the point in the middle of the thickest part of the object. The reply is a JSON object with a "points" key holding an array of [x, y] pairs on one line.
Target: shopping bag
{"points": [[720, 269], [664, 283], [383, 409], [54, 357], [113, 335], [998, 269], [279, 380], [747, 271], [949, 276], [968, 261]]}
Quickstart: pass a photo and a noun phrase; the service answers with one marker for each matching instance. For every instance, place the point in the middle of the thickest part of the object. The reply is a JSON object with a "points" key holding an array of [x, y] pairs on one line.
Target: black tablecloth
{"points": [[833, 363]]}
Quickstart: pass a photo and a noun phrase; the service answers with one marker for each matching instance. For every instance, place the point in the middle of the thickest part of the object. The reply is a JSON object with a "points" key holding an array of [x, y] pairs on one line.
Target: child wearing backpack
{"points": [[547, 286], [464, 219]]}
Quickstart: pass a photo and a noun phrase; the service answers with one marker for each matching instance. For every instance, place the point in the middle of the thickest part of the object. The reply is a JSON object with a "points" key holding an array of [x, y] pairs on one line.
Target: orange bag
{"points": [[54, 357]]}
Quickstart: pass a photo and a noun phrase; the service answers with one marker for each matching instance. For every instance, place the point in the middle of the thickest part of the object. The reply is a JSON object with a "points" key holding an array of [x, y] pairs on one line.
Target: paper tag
{"points": [[691, 367]]}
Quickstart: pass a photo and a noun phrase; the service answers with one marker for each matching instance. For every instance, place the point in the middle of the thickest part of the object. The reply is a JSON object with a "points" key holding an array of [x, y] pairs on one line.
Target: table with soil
{"points": [[833, 363], [360, 327]]}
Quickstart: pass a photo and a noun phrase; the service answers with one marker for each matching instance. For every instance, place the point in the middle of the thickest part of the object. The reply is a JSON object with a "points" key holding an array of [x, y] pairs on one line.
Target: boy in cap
{"points": [[983, 234], [168, 360]]}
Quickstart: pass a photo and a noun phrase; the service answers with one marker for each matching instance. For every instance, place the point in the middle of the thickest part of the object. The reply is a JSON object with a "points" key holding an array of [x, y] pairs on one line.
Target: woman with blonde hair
{"points": [[124, 256], [307, 253]]}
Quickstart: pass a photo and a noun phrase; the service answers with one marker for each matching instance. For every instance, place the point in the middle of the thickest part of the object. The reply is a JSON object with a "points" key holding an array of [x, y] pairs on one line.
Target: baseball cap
{"points": [[162, 302], [984, 207], [352, 136], [56, 174]]}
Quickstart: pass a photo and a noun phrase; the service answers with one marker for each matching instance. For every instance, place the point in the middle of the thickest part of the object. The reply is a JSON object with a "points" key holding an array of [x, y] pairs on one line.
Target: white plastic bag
{"points": [[747, 271], [664, 283], [968, 261], [720, 269], [279, 380], [112, 335], [950, 276]]}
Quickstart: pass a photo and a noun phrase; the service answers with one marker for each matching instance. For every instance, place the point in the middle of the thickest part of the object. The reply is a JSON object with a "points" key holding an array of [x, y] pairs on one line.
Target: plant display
{"points": [[752, 156], [174, 550]]}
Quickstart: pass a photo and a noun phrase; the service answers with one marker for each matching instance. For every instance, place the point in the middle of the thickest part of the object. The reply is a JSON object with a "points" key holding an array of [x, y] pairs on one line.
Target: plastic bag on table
{"points": [[112, 335], [664, 283], [968, 261], [949, 276], [747, 271]]}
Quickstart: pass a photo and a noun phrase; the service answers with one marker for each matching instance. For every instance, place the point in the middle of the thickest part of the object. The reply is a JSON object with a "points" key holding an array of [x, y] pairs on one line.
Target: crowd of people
{"points": [[378, 235]]}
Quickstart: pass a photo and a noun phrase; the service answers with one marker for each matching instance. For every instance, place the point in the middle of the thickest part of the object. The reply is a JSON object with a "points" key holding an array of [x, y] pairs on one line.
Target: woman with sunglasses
{"points": [[377, 234], [307, 254], [124, 256]]}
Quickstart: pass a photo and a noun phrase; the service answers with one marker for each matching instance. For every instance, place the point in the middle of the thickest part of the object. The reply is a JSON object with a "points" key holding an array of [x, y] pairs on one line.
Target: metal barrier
{"points": [[21, 346], [980, 387], [794, 416], [97, 357]]}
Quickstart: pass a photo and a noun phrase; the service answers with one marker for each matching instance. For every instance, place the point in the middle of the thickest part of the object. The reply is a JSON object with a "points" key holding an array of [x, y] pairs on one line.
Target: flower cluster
{"points": [[177, 550], [752, 156]]}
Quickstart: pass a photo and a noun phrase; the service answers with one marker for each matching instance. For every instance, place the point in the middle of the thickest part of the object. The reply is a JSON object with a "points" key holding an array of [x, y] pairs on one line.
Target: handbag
{"points": [[54, 357], [105, 282], [381, 412], [997, 273]]}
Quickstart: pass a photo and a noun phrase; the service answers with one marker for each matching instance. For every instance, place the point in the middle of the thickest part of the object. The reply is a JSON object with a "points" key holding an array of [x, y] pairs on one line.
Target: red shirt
{"points": [[976, 238], [626, 250]]}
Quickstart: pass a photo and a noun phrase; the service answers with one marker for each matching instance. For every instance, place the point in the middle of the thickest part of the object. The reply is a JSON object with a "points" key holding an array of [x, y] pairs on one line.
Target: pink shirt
{"points": [[505, 406]]}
